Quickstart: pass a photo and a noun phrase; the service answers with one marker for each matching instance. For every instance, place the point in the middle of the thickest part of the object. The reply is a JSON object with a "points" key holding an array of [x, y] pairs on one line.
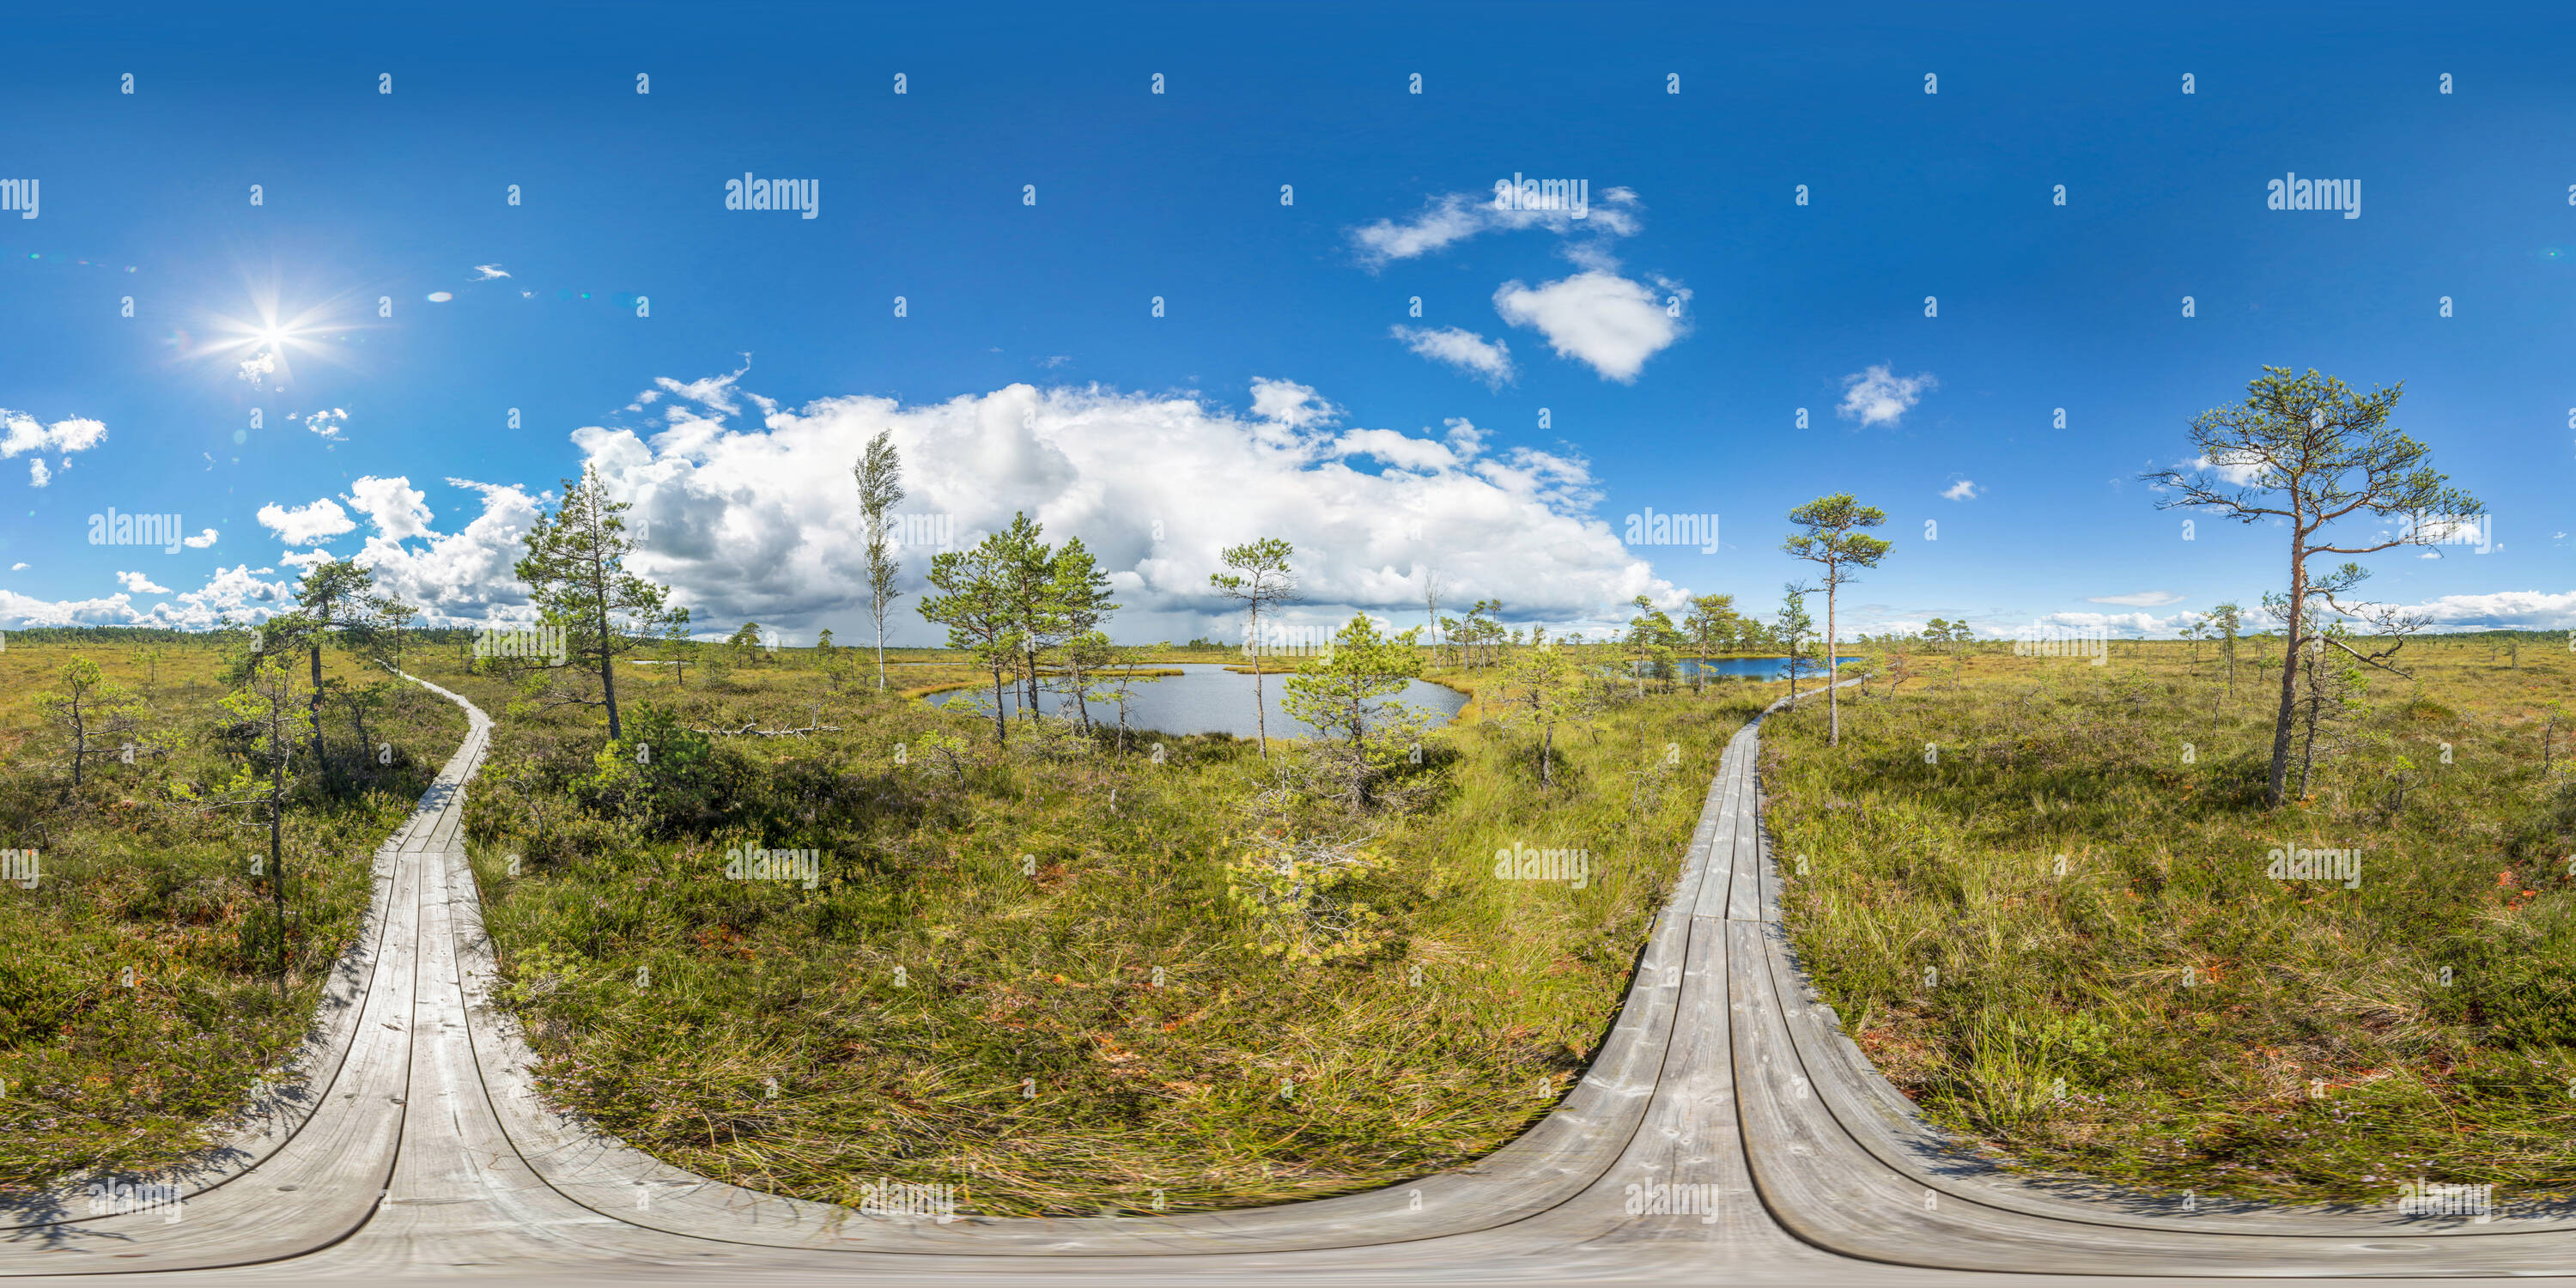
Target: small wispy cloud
{"points": [[2236, 469], [1460, 348], [2142, 599], [327, 423], [487, 272], [1963, 490], [1457, 216]]}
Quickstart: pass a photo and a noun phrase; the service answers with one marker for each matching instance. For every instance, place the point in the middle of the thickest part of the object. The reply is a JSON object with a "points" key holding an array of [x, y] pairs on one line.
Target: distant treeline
{"points": [[113, 636], [461, 636]]}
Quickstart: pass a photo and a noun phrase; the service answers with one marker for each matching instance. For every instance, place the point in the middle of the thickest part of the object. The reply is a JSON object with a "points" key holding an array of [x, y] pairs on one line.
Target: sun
{"points": [[260, 343]]}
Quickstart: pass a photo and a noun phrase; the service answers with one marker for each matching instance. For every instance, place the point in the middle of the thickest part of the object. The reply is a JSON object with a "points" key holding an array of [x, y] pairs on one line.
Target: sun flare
{"points": [[261, 341]]}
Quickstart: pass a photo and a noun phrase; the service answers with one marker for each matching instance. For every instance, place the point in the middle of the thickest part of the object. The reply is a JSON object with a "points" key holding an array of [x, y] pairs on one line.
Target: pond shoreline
{"points": [[1205, 698]]}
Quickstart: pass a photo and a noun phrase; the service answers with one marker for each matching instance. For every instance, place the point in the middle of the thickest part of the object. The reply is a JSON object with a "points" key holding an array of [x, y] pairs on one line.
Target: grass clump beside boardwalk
{"points": [[139, 869], [1046, 975], [2164, 1013]]}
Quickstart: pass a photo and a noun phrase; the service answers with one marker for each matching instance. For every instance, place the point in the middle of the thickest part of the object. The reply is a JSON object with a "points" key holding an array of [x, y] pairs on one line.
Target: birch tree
{"points": [[1261, 580], [880, 478]]}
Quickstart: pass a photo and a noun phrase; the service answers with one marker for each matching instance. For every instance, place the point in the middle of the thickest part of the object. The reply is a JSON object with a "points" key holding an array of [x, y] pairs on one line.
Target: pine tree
{"points": [[1830, 543], [576, 574], [2306, 451]]}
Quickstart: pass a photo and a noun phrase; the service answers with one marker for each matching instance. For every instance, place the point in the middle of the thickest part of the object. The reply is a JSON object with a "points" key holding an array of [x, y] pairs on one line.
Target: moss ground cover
{"points": [[137, 1005], [1042, 973], [2043, 896]]}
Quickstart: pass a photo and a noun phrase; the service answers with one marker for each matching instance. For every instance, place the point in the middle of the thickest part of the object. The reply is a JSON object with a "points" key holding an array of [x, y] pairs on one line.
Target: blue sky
{"points": [[1276, 393]]}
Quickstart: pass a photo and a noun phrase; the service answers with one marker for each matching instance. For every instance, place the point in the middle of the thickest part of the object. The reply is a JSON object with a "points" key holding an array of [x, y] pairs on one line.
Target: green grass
{"points": [[1081, 1024], [2214, 1029], [137, 872]]}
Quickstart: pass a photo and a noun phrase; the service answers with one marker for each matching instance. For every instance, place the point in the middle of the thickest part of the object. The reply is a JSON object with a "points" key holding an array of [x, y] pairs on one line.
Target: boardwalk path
{"points": [[1727, 1132]]}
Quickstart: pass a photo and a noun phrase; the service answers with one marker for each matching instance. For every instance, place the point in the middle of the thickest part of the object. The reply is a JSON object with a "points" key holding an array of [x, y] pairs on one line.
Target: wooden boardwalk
{"points": [[1728, 1132]]}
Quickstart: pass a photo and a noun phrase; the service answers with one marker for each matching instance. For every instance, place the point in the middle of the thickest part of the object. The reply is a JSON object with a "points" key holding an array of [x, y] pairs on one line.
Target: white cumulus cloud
{"points": [[140, 584], [21, 434], [453, 577], [37, 474], [199, 541], [306, 524], [2530, 610], [2123, 624], [1963, 490], [392, 506], [237, 593], [25, 610], [1877, 396], [327, 423], [1596, 317], [755, 523], [1291, 404]]}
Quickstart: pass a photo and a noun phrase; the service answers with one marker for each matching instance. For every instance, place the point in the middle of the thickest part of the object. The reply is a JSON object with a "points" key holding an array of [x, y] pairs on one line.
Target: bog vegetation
{"points": [[157, 786], [2049, 900], [1070, 965]]}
